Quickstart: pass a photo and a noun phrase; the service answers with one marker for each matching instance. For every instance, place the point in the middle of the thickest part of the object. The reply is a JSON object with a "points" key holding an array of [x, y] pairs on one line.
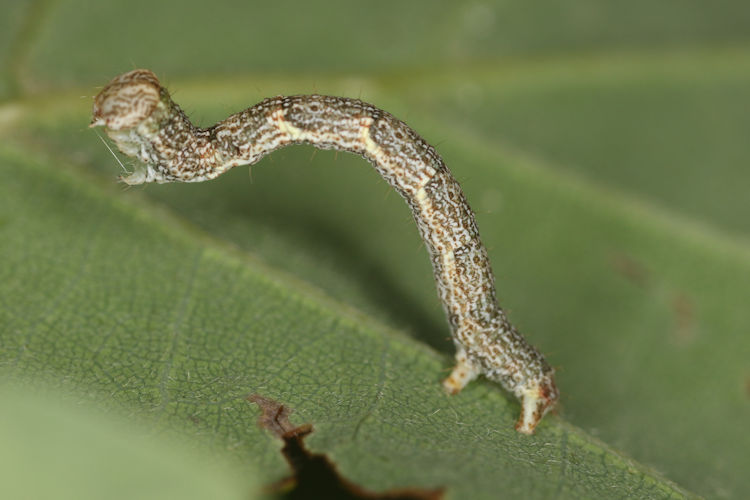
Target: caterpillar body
{"points": [[139, 115]]}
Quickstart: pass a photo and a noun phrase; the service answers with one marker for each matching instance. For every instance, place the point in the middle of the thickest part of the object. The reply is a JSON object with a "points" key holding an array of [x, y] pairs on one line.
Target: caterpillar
{"points": [[138, 114]]}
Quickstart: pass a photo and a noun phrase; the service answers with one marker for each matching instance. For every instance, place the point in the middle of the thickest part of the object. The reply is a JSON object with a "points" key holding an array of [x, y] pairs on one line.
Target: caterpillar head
{"points": [[130, 108], [127, 100]]}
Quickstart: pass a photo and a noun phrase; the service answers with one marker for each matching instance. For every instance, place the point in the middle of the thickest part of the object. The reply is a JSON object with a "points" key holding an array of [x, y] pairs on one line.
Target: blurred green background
{"points": [[603, 146]]}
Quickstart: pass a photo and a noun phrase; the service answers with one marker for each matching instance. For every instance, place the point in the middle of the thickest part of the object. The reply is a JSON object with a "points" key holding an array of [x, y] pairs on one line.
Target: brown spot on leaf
{"points": [[630, 269], [314, 475], [684, 317]]}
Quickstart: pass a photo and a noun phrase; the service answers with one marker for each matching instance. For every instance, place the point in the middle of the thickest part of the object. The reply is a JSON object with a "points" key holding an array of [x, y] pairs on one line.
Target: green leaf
{"points": [[627, 265], [144, 315], [54, 447]]}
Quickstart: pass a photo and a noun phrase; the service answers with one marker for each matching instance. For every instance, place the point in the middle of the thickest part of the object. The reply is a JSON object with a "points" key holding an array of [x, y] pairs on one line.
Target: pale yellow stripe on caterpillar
{"points": [[420, 197], [144, 122], [293, 133], [371, 147]]}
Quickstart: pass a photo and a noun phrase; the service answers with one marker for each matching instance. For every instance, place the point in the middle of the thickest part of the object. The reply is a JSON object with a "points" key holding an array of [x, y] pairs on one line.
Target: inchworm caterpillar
{"points": [[141, 118]]}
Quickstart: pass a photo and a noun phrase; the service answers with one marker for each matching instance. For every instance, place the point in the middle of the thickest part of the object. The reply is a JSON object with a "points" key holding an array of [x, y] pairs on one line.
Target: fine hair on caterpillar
{"points": [[138, 114]]}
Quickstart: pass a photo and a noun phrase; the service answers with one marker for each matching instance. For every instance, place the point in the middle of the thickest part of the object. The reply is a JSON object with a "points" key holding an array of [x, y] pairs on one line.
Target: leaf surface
{"points": [[616, 250]]}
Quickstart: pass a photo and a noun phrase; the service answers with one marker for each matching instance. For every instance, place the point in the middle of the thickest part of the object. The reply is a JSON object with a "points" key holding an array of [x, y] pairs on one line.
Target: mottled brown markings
{"points": [[173, 149], [315, 476]]}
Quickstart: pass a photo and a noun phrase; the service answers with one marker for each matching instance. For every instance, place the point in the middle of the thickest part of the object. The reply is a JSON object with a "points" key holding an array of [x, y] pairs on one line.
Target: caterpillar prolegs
{"points": [[140, 117]]}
